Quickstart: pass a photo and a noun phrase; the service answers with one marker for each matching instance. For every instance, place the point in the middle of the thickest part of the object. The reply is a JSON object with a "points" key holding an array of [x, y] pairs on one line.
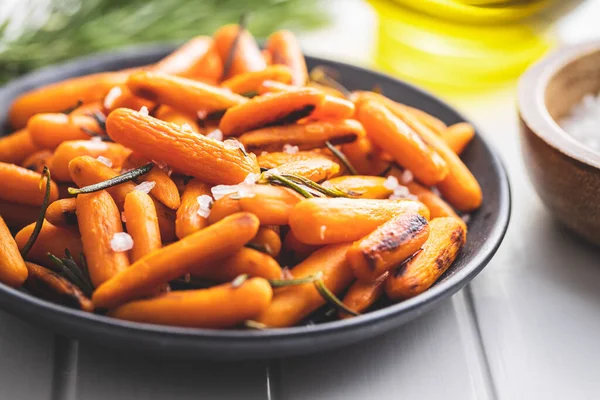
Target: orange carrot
{"points": [[244, 261], [360, 296], [62, 213], [49, 130], [121, 97], [315, 169], [13, 271], [52, 239], [16, 146], [17, 216], [365, 157], [267, 240], [360, 186], [249, 82], [458, 136], [164, 189], [271, 204], [142, 224], [196, 59], [267, 56], [275, 159], [36, 161], [169, 114], [22, 186], [246, 57], [285, 49], [295, 250], [333, 108], [224, 206], [188, 219]]}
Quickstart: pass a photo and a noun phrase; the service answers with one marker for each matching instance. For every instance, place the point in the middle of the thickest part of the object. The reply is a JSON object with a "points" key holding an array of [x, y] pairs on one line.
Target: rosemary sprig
{"points": [[239, 280], [100, 119], [40, 221], [323, 76], [117, 180], [332, 298], [68, 268], [91, 133], [313, 185], [250, 94], [229, 61], [282, 181], [342, 157], [293, 282], [69, 110]]}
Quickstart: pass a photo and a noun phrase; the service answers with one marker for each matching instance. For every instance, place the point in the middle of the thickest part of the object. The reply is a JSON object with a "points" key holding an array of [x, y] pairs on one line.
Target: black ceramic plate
{"points": [[486, 230]]}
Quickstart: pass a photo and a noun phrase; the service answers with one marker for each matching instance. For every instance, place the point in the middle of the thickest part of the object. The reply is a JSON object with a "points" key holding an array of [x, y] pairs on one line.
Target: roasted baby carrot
{"points": [[316, 169], [267, 56], [49, 130], [62, 95], [275, 159], [88, 109], [248, 261], [458, 136], [204, 158], [460, 188], [100, 224], [66, 151], [271, 204], [13, 271], [446, 239], [36, 161], [284, 49], [50, 286], [335, 220], [362, 295], [17, 216], [15, 147], [270, 109], [360, 186], [267, 241], [181, 93], [408, 149], [224, 206], [63, 213], [169, 114], [142, 224], [246, 57], [22, 186], [221, 306], [387, 246], [294, 250], [305, 136], [52, 239], [121, 97], [202, 248], [189, 219], [196, 59], [365, 157], [249, 82], [164, 189], [437, 206], [291, 305]]}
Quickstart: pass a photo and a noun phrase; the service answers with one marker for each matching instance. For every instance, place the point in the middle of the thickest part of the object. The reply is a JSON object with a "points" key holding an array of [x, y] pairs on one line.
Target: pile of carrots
{"points": [[226, 186]]}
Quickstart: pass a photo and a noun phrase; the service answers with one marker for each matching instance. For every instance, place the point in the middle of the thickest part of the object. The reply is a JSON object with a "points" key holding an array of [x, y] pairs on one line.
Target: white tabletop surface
{"points": [[525, 328]]}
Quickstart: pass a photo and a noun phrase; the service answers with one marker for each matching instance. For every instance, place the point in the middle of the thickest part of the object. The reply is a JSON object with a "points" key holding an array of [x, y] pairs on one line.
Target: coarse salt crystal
{"points": [[273, 171], [407, 176], [233, 144], [583, 121], [160, 164], [466, 218], [400, 192], [391, 183], [112, 95], [96, 139], [205, 203], [251, 178], [223, 190], [216, 135], [322, 232], [435, 191], [123, 218], [121, 241], [144, 110], [186, 127], [264, 153], [145, 186], [105, 161], [288, 148]]}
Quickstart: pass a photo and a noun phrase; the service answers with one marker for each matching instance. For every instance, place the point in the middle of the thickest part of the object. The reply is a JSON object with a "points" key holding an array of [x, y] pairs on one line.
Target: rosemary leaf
{"points": [[239, 280], [117, 180], [293, 282], [332, 298], [100, 119], [322, 75], [40, 221], [69, 110], [342, 157], [282, 181], [313, 185]]}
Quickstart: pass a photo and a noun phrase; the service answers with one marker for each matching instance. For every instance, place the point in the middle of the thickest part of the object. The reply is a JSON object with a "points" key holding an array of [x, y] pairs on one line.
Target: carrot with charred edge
{"points": [[87, 171], [62, 95], [275, 159], [315, 169], [52, 239], [365, 157], [387, 246], [36, 161], [169, 114], [306, 136], [267, 241], [360, 296], [188, 220], [206, 159], [164, 189], [270, 109], [271, 204], [295, 250], [202, 248], [223, 207], [285, 50], [181, 93], [49, 130], [17, 216], [247, 261], [335, 220], [16, 146], [49, 285], [250, 81], [67, 151], [360, 186], [221, 306], [13, 271], [99, 220], [246, 57], [22, 186], [291, 305], [408, 149], [446, 239], [142, 224], [460, 188], [458, 136], [196, 59], [62, 213]]}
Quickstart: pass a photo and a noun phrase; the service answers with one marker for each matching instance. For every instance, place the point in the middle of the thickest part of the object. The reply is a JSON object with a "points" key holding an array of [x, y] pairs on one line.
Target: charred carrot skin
{"points": [[322, 221], [270, 109], [267, 240], [291, 305], [15, 147], [458, 136], [36, 161], [221, 306], [142, 224], [362, 295], [188, 220], [53, 287], [360, 186], [408, 149], [22, 186], [52, 239], [387, 246], [316, 169], [284, 49], [244, 261], [247, 56], [49, 130], [249, 82], [201, 248], [306, 136], [206, 159], [99, 220], [164, 189], [63, 213], [13, 271], [445, 241], [17, 216], [271, 204], [181, 93]]}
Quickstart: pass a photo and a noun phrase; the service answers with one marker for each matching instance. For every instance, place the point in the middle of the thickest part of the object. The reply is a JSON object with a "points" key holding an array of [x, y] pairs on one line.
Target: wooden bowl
{"points": [[564, 172]]}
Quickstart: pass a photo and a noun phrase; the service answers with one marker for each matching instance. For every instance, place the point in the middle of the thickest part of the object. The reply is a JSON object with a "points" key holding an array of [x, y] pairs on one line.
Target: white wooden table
{"points": [[526, 328]]}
